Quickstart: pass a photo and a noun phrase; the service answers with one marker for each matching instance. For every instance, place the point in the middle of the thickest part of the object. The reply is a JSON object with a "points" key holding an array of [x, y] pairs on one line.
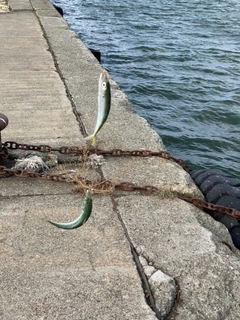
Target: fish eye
{"points": [[104, 85]]}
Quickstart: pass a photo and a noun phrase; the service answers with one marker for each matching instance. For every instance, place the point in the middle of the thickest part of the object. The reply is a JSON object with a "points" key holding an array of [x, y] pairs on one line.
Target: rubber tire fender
{"points": [[222, 189]]}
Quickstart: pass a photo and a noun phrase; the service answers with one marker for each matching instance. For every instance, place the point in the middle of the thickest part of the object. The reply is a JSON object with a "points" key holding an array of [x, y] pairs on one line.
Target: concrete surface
{"points": [[135, 250]]}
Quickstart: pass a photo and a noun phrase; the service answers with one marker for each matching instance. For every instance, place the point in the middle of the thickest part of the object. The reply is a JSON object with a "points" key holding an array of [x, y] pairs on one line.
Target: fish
{"points": [[104, 104], [83, 217]]}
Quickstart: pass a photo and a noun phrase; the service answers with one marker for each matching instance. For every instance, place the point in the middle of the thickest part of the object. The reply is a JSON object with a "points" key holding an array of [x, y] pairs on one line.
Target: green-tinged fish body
{"points": [[104, 104], [85, 214]]}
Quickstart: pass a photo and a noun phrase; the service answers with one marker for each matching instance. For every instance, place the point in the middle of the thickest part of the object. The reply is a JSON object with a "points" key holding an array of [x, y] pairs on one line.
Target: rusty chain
{"points": [[88, 151], [201, 204], [106, 184]]}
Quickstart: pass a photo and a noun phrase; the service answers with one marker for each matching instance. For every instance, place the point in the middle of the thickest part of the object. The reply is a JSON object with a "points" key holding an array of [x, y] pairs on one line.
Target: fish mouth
{"points": [[103, 74]]}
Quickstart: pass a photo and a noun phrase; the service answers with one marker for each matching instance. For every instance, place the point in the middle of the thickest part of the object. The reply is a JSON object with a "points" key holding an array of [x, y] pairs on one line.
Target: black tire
{"points": [[222, 189]]}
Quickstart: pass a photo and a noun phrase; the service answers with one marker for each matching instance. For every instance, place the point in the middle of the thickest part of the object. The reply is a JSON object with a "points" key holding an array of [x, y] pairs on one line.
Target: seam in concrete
{"points": [[145, 285], [33, 195], [173, 312], [149, 274], [20, 10], [74, 108]]}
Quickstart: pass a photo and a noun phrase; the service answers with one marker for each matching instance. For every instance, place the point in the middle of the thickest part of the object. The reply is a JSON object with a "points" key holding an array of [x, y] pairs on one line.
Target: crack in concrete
{"points": [[165, 288], [69, 96], [145, 285], [35, 195], [165, 305], [173, 312]]}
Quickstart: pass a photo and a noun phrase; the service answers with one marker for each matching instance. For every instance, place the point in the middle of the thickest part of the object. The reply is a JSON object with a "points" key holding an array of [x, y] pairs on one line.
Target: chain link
{"points": [[27, 174], [113, 152], [3, 154], [201, 204], [106, 184]]}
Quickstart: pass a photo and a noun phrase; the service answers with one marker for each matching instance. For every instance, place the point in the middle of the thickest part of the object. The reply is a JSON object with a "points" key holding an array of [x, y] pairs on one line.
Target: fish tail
{"points": [[93, 138], [85, 214]]}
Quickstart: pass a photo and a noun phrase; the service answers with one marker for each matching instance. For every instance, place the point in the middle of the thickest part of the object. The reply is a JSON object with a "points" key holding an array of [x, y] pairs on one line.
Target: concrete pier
{"points": [[137, 257]]}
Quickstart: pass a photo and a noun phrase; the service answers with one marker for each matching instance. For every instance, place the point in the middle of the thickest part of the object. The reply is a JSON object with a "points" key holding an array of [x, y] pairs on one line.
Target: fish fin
{"points": [[93, 138]]}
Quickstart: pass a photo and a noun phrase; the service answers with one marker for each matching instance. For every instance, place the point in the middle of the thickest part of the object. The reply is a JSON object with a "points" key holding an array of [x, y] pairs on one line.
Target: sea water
{"points": [[179, 64]]}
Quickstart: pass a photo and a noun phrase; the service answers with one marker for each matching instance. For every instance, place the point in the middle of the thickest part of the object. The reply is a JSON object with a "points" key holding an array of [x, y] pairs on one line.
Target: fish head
{"points": [[104, 84]]}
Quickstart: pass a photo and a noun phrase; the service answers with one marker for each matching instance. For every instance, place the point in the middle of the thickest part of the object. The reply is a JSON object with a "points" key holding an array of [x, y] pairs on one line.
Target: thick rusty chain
{"points": [[88, 151], [27, 174], [201, 204], [106, 184]]}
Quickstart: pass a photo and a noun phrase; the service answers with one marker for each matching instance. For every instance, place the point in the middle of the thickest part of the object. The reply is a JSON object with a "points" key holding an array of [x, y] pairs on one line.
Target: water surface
{"points": [[179, 64]]}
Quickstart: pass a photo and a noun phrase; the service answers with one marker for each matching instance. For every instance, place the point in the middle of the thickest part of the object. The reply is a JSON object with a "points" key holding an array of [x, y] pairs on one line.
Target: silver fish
{"points": [[104, 104], [85, 214]]}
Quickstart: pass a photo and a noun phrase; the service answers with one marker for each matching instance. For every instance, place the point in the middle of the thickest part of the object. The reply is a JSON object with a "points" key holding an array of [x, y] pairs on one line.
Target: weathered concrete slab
{"points": [[91, 272], [187, 245], [32, 94], [16, 187], [49, 273], [153, 171], [20, 5]]}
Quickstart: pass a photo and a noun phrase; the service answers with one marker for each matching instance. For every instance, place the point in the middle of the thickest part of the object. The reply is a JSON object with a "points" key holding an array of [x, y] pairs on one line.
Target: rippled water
{"points": [[179, 64]]}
